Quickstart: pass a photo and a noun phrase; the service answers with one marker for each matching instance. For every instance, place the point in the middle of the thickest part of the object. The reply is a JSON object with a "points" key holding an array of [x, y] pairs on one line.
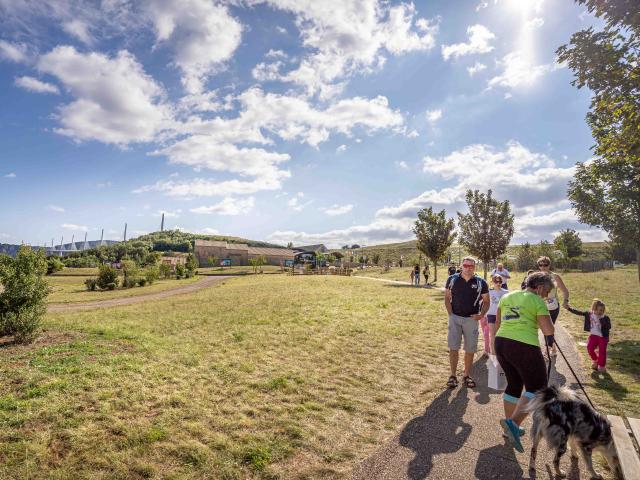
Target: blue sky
{"points": [[284, 120]]}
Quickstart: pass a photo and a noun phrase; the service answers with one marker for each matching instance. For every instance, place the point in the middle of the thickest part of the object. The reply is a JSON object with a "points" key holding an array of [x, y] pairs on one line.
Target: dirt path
{"points": [[117, 302]]}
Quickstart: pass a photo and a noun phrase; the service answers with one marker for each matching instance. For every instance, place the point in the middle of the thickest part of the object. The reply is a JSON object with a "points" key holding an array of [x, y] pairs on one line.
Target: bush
{"points": [[151, 274], [142, 282], [180, 271], [22, 300], [107, 276], [91, 284], [54, 265], [191, 265], [131, 273], [165, 270]]}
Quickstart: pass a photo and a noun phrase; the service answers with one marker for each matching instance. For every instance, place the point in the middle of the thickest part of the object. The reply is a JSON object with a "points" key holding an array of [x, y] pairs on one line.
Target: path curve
{"points": [[117, 302]]}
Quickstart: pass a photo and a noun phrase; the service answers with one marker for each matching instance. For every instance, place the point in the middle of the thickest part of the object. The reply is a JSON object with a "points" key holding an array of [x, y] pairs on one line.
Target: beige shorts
{"points": [[463, 327]]}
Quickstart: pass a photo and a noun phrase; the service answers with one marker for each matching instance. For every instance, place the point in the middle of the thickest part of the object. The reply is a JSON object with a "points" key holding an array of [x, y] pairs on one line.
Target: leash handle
{"points": [[574, 373]]}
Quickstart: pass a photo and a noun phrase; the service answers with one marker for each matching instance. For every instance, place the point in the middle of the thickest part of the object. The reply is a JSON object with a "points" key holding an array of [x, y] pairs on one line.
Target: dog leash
{"points": [[572, 371]]}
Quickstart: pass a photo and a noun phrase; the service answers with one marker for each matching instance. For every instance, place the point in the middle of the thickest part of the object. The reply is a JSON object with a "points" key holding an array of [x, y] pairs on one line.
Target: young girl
{"points": [[489, 324], [598, 325]]}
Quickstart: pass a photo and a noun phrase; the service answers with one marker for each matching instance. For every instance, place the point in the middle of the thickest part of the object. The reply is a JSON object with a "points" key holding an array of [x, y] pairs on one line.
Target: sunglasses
{"points": [[497, 281], [469, 265], [543, 264]]}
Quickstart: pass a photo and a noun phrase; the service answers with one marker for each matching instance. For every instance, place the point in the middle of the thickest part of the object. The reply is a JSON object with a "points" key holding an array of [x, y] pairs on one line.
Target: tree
{"points": [[22, 299], [546, 249], [526, 258], [435, 235], [605, 191], [488, 227], [257, 262], [213, 260], [569, 242], [54, 265], [191, 265], [375, 259]]}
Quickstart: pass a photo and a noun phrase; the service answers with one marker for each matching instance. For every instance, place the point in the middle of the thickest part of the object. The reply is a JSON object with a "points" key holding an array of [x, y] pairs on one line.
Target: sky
{"points": [[297, 121]]}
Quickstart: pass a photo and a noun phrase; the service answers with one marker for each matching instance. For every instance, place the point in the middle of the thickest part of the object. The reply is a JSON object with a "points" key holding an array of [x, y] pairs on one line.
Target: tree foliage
{"points": [[488, 227], [23, 294], [526, 257], [605, 192], [435, 234], [569, 243]]}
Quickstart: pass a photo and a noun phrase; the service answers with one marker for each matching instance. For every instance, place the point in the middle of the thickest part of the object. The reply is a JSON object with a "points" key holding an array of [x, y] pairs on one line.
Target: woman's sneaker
{"points": [[512, 432]]}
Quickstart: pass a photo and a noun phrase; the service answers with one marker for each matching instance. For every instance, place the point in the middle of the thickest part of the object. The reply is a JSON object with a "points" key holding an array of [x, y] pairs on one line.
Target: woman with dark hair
{"points": [[520, 314], [544, 265]]}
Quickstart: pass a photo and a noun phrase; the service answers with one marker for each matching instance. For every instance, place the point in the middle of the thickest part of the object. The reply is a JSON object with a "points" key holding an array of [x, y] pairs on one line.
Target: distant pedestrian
{"points": [[401, 261], [495, 294], [412, 276], [425, 273], [503, 272], [416, 274], [544, 265], [523, 285], [598, 325], [452, 269], [466, 299]]}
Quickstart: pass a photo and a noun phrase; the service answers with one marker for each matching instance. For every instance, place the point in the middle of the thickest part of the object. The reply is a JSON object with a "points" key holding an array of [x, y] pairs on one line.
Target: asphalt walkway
{"points": [[458, 435]]}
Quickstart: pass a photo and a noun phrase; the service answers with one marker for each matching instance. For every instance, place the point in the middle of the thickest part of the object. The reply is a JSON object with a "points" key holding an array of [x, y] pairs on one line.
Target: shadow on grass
{"points": [[604, 381], [625, 354]]}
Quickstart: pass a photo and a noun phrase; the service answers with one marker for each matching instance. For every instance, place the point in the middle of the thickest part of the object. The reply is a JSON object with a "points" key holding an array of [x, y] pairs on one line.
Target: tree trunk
{"points": [[638, 261], [484, 266], [435, 271]]}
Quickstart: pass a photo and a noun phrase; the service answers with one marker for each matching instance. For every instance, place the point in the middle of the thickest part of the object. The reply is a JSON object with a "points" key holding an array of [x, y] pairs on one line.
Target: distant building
{"points": [[320, 248], [238, 253]]}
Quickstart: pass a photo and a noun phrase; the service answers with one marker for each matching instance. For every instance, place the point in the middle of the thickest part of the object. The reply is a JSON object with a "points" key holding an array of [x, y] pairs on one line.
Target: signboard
{"points": [[225, 262], [288, 263]]}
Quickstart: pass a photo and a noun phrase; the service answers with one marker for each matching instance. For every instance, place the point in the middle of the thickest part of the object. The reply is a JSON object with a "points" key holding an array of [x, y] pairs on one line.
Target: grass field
{"points": [[266, 376], [71, 289]]}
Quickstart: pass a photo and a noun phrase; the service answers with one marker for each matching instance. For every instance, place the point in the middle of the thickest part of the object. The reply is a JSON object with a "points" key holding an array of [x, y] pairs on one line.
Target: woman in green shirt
{"points": [[520, 314]]}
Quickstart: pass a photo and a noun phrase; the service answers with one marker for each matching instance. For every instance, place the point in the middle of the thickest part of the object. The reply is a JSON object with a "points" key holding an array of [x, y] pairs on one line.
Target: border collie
{"points": [[561, 417]]}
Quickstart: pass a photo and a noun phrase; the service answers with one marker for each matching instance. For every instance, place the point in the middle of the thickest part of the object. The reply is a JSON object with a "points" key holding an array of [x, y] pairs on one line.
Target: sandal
{"points": [[469, 382], [452, 382]]}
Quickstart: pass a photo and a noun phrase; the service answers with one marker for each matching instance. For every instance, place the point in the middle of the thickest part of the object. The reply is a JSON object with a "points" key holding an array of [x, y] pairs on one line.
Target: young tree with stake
{"points": [[435, 235]]}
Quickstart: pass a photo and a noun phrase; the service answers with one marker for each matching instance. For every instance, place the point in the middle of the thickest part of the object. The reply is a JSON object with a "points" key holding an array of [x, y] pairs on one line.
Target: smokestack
{"points": [[101, 238], [61, 244], [125, 232], [85, 246], [162, 223]]}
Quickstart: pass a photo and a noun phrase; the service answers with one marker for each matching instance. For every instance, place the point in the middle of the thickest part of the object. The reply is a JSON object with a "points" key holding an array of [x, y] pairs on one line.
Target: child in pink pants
{"points": [[598, 325]]}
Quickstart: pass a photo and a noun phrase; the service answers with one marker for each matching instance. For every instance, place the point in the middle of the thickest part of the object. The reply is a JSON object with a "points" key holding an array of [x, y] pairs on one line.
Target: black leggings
{"points": [[523, 366], [554, 314]]}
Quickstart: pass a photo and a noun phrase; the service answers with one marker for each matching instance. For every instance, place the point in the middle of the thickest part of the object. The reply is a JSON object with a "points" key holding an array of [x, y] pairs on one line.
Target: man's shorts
{"points": [[463, 327]]}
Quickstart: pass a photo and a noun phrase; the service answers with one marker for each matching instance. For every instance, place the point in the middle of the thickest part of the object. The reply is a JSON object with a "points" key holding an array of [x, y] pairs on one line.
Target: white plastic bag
{"points": [[497, 380]]}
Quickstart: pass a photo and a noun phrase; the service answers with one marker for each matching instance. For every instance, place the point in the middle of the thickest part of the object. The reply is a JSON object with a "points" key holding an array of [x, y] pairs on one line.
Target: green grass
{"points": [[71, 289], [238, 270], [267, 376]]}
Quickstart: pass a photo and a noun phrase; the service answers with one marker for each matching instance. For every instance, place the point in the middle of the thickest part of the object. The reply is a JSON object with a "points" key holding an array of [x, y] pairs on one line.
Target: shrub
{"points": [[180, 271], [107, 275], [54, 265], [151, 274], [142, 282], [131, 273], [191, 265], [165, 270], [91, 284], [22, 300]]}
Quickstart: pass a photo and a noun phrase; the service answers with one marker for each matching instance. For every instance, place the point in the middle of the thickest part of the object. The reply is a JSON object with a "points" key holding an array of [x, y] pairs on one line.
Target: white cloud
{"points": [[79, 29], [5, 235], [297, 204], [203, 36], [116, 101], [207, 188], [168, 213], [534, 23], [276, 54], [413, 134], [35, 85], [519, 71], [479, 42], [348, 38], [336, 209], [228, 206], [71, 226], [433, 115], [476, 68], [14, 52], [10, 175], [208, 231], [341, 148], [281, 30], [264, 72], [402, 165], [55, 208]]}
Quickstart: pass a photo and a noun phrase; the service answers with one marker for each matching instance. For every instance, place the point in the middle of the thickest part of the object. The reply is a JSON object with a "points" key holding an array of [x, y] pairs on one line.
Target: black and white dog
{"points": [[561, 417]]}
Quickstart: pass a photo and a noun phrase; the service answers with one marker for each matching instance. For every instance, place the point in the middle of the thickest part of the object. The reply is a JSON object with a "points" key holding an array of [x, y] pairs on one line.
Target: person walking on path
{"points": [[598, 325], [416, 275], [544, 265], [466, 299], [495, 294], [452, 269], [520, 314], [503, 272], [426, 272], [412, 276]]}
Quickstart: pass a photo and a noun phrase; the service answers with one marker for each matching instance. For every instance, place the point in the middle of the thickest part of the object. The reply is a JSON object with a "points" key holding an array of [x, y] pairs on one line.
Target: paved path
{"points": [[458, 436], [117, 302]]}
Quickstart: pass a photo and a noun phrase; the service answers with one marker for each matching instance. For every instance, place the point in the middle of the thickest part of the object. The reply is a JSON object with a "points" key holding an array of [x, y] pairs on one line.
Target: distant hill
{"points": [[179, 241]]}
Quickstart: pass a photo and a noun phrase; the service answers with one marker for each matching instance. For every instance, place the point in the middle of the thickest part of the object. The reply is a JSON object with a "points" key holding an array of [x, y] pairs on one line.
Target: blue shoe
{"points": [[521, 431], [512, 432]]}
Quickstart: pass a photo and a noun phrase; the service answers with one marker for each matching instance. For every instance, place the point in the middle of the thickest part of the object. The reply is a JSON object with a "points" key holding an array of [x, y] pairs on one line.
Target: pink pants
{"points": [[485, 333], [599, 343]]}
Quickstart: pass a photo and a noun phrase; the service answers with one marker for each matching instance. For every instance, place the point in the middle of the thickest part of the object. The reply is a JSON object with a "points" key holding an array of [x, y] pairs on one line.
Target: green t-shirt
{"points": [[519, 311]]}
